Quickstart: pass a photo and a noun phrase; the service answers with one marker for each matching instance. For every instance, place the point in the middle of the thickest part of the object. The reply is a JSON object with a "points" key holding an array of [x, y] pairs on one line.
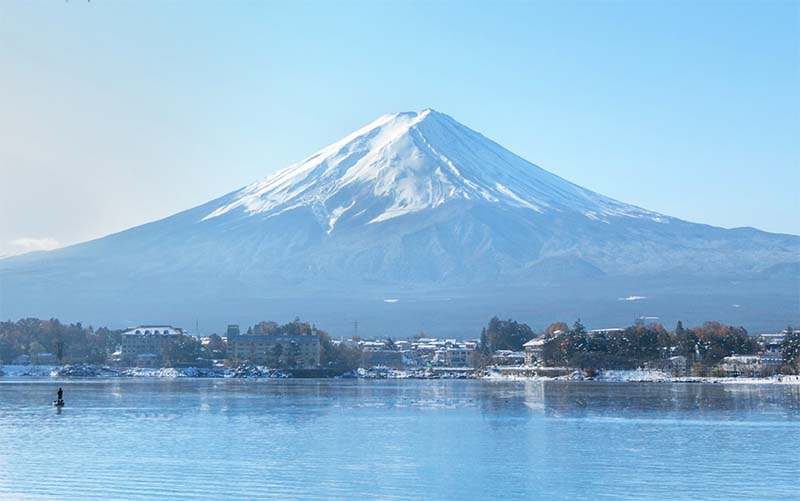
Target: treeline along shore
{"points": [[298, 349]]}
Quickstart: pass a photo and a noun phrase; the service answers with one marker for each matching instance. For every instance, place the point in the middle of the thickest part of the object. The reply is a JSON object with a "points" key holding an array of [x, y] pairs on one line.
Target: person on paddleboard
{"points": [[60, 400]]}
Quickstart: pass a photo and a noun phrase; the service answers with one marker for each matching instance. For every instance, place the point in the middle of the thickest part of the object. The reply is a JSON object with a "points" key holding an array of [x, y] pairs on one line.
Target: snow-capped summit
{"points": [[408, 162], [423, 210]]}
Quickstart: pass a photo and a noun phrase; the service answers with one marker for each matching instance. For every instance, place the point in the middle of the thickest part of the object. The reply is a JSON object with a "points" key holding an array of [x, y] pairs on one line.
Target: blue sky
{"points": [[118, 113]]}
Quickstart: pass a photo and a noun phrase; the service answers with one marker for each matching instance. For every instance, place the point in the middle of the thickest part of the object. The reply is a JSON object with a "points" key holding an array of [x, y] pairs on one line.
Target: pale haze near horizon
{"points": [[116, 114]]}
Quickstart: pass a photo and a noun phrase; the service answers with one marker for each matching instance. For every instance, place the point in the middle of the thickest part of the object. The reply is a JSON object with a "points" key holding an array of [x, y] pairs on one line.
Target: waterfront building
{"points": [[759, 365], [677, 365], [383, 353], [740, 365], [508, 357], [300, 350], [143, 345], [772, 343], [382, 358], [442, 352], [459, 356], [534, 350], [771, 360]]}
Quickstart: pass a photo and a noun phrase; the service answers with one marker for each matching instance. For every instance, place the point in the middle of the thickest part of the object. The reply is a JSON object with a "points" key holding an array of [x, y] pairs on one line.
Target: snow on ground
{"points": [[145, 372], [27, 370], [645, 376], [250, 371], [652, 375]]}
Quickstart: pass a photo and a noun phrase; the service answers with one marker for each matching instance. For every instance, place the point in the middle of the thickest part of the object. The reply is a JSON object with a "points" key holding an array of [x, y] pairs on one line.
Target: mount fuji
{"points": [[413, 222]]}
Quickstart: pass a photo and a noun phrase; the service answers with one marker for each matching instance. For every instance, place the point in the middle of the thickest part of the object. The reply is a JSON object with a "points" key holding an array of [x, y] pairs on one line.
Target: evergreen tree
{"points": [[505, 335], [791, 348], [293, 355], [578, 329], [60, 349], [276, 352], [484, 345]]}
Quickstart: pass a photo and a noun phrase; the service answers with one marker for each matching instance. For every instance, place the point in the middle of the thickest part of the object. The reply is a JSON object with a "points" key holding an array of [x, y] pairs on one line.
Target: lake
{"points": [[397, 439]]}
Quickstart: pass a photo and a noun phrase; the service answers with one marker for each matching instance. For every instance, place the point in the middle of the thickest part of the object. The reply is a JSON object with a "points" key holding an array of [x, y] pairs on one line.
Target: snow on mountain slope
{"points": [[417, 206], [409, 162]]}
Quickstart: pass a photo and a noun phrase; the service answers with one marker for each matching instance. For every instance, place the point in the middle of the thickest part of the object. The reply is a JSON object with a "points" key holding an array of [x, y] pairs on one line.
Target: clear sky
{"points": [[113, 114]]}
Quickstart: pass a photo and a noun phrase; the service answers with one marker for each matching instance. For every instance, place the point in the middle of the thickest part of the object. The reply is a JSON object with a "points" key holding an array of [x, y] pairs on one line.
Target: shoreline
{"points": [[87, 371]]}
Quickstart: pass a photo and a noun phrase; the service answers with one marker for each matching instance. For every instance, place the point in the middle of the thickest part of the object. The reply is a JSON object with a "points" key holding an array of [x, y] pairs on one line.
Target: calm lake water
{"points": [[346, 439]]}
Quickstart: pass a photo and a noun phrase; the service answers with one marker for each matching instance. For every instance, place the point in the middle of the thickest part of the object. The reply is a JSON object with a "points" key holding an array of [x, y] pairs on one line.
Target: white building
{"points": [[534, 350], [508, 357], [459, 356], [772, 343], [763, 364], [442, 352], [143, 345]]}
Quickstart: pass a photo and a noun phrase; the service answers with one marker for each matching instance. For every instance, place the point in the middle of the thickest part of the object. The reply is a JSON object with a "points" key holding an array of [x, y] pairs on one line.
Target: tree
{"points": [[182, 350], [340, 357], [34, 350], [689, 345], [69, 342], [575, 344], [578, 329], [60, 347], [293, 355], [791, 348], [216, 347], [556, 327], [504, 335], [552, 354], [484, 347], [276, 353]]}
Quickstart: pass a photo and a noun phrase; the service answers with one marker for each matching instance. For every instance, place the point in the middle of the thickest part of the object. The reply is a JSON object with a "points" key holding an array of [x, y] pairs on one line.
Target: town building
{"points": [[677, 365], [534, 350], [382, 358], [772, 343], [380, 353], [143, 346], [459, 356], [508, 357], [431, 352], [299, 350], [760, 365]]}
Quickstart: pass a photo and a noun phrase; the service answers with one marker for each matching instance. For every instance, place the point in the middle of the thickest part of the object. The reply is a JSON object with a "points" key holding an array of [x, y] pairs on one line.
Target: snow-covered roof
{"points": [[153, 330], [606, 330], [537, 341], [741, 359]]}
